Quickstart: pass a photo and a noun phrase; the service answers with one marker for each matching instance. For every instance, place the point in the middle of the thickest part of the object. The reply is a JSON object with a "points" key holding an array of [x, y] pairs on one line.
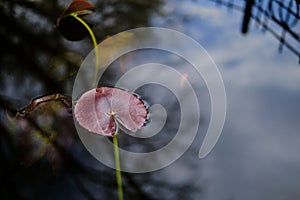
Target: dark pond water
{"points": [[257, 155]]}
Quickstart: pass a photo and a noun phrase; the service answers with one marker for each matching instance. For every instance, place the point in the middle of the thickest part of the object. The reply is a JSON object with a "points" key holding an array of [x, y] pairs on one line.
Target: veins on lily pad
{"points": [[103, 110]]}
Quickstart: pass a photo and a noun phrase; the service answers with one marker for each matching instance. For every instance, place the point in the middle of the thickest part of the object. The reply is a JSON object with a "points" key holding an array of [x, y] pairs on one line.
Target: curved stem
{"points": [[118, 168], [115, 140], [92, 35]]}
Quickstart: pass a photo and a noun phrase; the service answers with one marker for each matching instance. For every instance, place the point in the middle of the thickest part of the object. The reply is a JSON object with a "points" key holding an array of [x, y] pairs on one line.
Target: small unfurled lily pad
{"points": [[102, 110], [79, 6], [71, 28]]}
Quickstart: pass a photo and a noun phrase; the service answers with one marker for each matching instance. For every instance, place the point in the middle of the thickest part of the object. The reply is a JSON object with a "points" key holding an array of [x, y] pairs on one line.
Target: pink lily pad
{"points": [[102, 110]]}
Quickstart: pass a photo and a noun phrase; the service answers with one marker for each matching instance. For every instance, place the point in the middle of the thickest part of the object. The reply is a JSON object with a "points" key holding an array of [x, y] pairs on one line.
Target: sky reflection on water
{"points": [[257, 156]]}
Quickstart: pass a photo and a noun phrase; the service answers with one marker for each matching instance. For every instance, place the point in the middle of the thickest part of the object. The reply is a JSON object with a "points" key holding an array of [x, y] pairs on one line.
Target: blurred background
{"points": [[255, 45]]}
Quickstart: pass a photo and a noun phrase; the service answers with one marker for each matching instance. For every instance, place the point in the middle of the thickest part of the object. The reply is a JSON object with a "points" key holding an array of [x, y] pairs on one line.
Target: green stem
{"points": [[92, 35], [118, 168], [115, 140]]}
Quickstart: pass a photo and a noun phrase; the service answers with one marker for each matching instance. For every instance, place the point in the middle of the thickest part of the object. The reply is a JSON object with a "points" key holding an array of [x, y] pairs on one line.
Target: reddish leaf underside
{"points": [[101, 110], [71, 28], [78, 5]]}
